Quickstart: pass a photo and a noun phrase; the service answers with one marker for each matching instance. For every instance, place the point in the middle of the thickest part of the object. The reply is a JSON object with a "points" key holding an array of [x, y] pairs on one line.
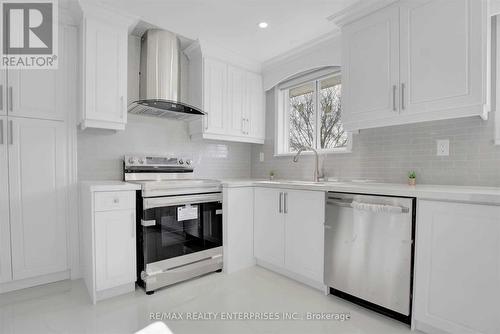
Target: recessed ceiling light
{"points": [[263, 25]]}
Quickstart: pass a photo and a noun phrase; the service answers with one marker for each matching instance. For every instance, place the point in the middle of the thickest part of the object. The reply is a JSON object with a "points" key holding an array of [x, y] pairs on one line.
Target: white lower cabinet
{"points": [[108, 239], [457, 271], [238, 219], [37, 188], [289, 232]]}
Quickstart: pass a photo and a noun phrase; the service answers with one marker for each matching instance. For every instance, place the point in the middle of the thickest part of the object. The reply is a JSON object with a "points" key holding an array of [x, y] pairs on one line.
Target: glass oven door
{"points": [[180, 225]]}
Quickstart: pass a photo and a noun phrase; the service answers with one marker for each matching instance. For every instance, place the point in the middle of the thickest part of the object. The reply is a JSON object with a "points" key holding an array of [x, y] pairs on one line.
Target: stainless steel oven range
{"points": [[179, 221]]}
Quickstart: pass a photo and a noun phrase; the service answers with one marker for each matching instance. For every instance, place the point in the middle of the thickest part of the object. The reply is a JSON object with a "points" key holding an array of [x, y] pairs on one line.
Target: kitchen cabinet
{"points": [[269, 226], [369, 84], [37, 188], [428, 61], [232, 97], [36, 93], [108, 238], [5, 264], [3, 92], [238, 221], [289, 232], [457, 267], [104, 68]]}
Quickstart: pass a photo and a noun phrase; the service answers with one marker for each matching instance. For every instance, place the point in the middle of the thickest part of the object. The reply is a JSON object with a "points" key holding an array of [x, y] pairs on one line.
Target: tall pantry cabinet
{"points": [[34, 116]]}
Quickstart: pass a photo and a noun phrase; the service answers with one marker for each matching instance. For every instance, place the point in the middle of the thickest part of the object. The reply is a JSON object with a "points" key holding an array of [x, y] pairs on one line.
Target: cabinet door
{"points": [[37, 182], [304, 233], [39, 93], [269, 226], [255, 113], [5, 265], [457, 267], [215, 96], [106, 72], [441, 55], [370, 69], [115, 257], [3, 92], [236, 86]]}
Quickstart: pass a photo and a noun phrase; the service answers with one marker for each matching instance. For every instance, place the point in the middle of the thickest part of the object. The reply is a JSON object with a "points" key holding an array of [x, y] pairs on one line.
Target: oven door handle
{"points": [[147, 223], [158, 202]]}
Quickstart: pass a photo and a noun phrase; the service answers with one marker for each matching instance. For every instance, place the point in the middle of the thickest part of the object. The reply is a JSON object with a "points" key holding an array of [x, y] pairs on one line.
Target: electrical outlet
{"points": [[261, 156], [443, 147]]}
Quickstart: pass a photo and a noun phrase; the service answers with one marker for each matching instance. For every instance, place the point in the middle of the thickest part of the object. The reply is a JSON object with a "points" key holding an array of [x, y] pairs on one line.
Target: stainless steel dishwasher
{"points": [[369, 251]]}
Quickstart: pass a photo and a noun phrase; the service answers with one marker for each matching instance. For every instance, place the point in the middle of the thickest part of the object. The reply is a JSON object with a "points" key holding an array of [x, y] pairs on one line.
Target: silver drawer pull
{"points": [[147, 223], [116, 200]]}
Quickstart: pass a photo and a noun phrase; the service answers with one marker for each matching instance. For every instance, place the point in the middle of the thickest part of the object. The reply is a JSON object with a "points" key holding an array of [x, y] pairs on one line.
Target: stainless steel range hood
{"points": [[159, 86]]}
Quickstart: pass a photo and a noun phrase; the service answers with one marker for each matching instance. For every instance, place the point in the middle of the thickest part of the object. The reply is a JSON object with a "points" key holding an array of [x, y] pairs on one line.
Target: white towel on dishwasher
{"points": [[377, 208]]}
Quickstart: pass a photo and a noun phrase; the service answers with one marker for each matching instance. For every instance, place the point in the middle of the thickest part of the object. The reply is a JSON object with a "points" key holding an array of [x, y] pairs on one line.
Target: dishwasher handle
{"points": [[339, 202]]}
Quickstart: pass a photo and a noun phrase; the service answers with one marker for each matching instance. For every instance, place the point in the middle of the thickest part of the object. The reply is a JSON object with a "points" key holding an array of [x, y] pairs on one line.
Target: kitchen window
{"points": [[310, 115]]}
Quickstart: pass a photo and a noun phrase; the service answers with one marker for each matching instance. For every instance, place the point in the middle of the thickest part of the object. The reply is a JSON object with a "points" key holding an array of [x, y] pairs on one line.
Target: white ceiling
{"points": [[233, 23]]}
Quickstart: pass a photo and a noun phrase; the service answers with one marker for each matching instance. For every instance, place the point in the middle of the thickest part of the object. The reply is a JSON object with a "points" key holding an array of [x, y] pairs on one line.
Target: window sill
{"points": [[320, 152]]}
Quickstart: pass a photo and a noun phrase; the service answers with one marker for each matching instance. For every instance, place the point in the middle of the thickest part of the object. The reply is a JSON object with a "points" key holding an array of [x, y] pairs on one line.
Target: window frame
{"points": [[282, 123]]}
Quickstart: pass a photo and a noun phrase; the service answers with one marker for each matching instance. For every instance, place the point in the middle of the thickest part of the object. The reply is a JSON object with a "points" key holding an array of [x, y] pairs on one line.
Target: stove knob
{"points": [[131, 160], [141, 161], [188, 162], [181, 162]]}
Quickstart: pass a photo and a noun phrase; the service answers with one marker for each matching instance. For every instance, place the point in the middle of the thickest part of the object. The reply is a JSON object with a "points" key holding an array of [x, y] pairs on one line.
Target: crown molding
{"points": [[357, 11], [297, 51]]}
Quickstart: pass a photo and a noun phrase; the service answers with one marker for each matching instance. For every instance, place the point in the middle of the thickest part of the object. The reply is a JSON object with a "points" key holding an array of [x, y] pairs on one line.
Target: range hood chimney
{"points": [[159, 86]]}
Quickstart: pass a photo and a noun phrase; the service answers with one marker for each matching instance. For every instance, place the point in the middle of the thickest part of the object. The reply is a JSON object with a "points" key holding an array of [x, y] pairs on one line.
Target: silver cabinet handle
{"points": [[285, 201], [133, 225], [242, 125], [394, 87], [1, 131], [11, 133], [10, 99], [280, 208], [403, 96], [1, 97]]}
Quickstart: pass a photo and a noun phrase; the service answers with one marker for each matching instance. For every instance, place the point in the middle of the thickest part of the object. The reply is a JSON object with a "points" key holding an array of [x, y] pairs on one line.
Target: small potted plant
{"points": [[271, 175], [412, 178]]}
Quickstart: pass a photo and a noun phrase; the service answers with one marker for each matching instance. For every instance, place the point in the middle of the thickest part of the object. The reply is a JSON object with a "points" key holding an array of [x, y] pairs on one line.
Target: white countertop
{"points": [[110, 185], [489, 195]]}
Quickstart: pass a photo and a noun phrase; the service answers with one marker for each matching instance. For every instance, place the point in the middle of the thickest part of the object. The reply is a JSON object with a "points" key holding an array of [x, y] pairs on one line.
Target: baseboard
{"points": [[116, 291], [34, 281], [420, 326], [304, 280]]}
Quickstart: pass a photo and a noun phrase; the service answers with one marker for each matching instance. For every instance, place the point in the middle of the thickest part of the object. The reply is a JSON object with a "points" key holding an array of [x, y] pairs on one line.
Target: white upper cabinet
{"points": [[232, 98], [104, 70], [457, 268], [38, 93], [370, 72], [3, 92], [215, 96], [441, 57], [37, 179], [255, 115], [415, 61], [5, 264]]}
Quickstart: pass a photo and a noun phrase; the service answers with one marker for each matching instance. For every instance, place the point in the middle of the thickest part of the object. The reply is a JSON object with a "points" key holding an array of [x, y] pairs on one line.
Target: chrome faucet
{"points": [[317, 175]]}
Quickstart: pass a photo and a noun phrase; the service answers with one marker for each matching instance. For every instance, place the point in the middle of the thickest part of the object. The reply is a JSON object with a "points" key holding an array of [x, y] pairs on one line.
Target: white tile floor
{"points": [[64, 307]]}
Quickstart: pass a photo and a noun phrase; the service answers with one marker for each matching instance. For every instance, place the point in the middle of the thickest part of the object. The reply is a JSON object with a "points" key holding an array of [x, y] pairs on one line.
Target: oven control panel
{"points": [[156, 161]]}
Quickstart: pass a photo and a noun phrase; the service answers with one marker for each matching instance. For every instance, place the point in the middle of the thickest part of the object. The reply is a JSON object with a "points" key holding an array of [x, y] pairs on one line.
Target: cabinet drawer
{"points": [[114, 200]]}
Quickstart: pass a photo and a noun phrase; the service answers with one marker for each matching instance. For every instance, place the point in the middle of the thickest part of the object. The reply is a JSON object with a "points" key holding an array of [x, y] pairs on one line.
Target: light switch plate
{"points": [[261, 156], [443, 147]]}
